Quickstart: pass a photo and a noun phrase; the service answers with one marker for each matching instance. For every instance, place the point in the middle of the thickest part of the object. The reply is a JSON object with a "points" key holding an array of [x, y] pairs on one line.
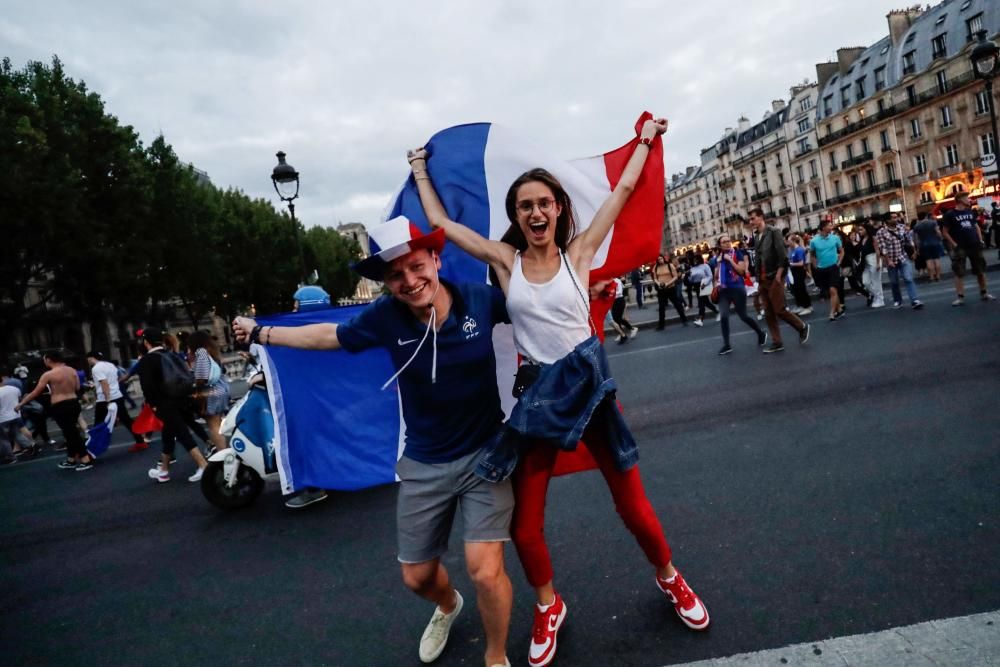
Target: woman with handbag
{"points": [[543, 268], [211, 384], [731, 284], [700, 277]]}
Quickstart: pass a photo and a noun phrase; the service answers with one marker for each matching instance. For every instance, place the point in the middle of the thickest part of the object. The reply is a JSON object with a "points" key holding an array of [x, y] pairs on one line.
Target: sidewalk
{"points": [[646, 317]]}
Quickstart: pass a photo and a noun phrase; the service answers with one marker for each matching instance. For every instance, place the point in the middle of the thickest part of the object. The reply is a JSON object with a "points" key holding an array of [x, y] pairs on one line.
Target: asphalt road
{"points": [[843, 487]]}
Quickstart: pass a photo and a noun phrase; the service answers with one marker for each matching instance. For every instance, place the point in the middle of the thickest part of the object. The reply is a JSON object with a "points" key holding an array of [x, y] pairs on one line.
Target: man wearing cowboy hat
{"points": [[439, 336]]}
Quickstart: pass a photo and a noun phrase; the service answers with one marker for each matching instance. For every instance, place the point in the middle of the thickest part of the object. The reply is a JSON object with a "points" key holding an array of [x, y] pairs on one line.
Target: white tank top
{"points": [[549, 319]]}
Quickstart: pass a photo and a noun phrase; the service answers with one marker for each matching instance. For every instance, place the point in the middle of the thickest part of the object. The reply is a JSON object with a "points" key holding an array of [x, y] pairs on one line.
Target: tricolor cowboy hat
{"points": [[393, 239]]}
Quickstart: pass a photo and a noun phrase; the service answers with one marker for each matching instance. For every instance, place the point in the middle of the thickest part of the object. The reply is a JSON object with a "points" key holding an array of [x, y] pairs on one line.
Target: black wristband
{"points": [[255, 334]]}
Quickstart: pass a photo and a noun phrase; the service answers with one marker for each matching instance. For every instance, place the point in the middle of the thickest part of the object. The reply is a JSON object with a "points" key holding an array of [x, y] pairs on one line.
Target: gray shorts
{"points": [[429, 494]]}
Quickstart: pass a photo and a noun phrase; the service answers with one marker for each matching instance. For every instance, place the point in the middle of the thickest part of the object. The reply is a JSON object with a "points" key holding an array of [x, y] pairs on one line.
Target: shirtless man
{"points": [[63, 382]]}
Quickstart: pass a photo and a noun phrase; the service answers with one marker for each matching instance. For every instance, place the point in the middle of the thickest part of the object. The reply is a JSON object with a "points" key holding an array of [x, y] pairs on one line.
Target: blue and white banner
{"points": [[335, 428]]}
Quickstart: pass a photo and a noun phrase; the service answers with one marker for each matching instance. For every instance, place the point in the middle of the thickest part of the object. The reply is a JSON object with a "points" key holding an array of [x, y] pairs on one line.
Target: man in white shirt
{"points": [[10, 424], [106, 385]]}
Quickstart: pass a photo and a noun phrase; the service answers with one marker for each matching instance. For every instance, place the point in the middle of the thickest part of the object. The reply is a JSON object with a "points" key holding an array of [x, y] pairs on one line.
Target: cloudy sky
{"points": [[344, 88]]}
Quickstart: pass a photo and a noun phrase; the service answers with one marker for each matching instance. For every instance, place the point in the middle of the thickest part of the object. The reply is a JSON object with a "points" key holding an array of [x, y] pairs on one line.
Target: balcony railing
{"points": [[785, 211], [756, 153], [735, 217], [818, 205], [727, 181], [687, 225], [948, 170], [803, 210], [804, 151], [888, 186], [855, 161], [763, 194]]}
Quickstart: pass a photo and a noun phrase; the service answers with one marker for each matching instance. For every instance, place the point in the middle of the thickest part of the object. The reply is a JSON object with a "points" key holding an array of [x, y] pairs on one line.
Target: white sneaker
{"points": [[805, 311], [878, 304], [698, 323], [760, 315], [197, 476], [718, 318], [435, 636], [633, 332], [159, 475]]}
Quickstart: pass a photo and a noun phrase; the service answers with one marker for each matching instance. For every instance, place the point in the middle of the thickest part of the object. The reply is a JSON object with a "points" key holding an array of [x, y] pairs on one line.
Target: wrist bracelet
{"points": [[255, 334], [646, 142], [412, 160], [421, 178]]}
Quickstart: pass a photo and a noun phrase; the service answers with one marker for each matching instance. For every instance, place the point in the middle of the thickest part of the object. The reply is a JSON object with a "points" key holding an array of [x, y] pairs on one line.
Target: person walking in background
{"points": [[174, 411], [700, 278], [635, 277], [853, 265], [871, 275], [627, 329], [797, 265], [731, 281], [772, 262], [895, 250], [109, 391], [211, 385], [666, 280], [64, 386], [965, 240], [827, 252], [929, 245], [995, 226]]}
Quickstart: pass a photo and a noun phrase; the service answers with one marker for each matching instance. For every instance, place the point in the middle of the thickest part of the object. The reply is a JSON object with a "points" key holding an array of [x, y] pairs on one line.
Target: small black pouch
{"points": [[526, 376]]}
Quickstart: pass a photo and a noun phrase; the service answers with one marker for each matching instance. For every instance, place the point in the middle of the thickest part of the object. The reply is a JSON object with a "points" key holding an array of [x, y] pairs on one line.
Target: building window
{"points": [[926, 198], [865, 146], [909, 62], [915, 128], [987, 144], [845, 97], [827, 105], [833, 160], [805, 104], [884, 137], [816, 194], [781, 180], [799, 174], [939, 46], [982, 103], [836, 187], [871, 177], [804, 125], [973, 25], [920, 164], [951, 155], [942, 81], [812, 169], [911, 95], [855, 183], [803, 145], [850, 151], [880, 78], [890, 171], [946, 120], [859, 89]]}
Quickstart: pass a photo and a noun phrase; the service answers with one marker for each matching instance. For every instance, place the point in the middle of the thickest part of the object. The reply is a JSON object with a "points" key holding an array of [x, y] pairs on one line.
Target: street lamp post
{"points": [[286, 184], [984, 65]]}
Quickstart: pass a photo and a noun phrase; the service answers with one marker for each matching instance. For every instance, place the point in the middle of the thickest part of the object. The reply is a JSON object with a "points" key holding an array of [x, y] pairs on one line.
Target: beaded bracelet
{"points": [[255, 334]]}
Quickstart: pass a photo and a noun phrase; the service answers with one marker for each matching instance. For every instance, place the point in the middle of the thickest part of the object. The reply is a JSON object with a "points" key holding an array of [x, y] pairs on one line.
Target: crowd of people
{"points": [[769, 265]]}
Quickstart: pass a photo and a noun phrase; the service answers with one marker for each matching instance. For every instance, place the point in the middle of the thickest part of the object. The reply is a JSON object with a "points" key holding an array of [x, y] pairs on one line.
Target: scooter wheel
{"points": [[241, 494]]}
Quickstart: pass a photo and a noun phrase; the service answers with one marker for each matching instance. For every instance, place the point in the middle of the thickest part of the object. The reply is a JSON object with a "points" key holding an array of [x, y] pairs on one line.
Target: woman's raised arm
{"points": [[499, 256], [585, 245]]}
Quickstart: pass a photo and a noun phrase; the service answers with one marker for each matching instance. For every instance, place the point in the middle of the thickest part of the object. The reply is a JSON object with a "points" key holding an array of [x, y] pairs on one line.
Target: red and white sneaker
{"points": [[687, 605], [543, 634]]}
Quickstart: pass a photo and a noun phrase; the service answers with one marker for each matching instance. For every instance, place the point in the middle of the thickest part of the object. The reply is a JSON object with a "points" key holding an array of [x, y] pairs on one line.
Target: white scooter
{"points": [[235, 476]]}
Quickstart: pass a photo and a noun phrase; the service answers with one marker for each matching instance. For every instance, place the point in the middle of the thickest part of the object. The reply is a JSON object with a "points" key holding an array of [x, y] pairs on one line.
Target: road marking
{"points": [[962, 640]]}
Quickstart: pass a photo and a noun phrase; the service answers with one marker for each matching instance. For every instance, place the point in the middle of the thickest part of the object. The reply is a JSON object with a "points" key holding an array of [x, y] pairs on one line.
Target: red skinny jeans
{"points": [[531, 483]]}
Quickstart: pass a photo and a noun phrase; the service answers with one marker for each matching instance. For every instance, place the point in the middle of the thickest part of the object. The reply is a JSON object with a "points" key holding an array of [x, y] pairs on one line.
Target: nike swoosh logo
{"points": [[553, 623], [400, 341]]}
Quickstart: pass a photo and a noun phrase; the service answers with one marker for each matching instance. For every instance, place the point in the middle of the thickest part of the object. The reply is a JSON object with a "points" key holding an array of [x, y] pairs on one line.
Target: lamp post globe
{"points": [[285, 179], [984, 57]]}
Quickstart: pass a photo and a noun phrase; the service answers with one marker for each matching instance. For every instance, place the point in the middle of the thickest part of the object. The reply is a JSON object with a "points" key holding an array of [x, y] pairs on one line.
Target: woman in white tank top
{"points": [[543, 268]]}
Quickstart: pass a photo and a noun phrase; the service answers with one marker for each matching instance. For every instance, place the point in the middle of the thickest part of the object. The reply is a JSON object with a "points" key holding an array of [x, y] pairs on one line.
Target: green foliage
{"points": [[109, 229]]}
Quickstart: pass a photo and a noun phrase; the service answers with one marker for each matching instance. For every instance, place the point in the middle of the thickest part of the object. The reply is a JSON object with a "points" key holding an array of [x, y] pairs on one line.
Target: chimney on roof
{"points": [[846, 57], [900, 21], [824, 71], [777, 105], [743, 124], [689, 171]]}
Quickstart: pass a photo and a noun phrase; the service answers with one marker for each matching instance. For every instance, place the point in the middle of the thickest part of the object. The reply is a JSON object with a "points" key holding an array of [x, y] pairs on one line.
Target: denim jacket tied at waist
{"points": [[557, 408]]}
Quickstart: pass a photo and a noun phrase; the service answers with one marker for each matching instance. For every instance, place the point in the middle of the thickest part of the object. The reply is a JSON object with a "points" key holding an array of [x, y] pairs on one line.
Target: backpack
{"points": [[178, 380]]}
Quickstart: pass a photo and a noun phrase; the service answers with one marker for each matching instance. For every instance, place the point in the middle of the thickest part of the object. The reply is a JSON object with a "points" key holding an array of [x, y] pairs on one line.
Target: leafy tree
{"points": [[330, 254]]}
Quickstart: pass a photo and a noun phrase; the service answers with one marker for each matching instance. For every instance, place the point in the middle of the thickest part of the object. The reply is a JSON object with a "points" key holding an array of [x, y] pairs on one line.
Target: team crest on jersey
{"points": [[470, 328]]}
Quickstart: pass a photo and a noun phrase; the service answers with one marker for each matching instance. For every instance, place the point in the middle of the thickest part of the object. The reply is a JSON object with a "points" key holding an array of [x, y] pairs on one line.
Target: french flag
{"points": [[335, 428]]}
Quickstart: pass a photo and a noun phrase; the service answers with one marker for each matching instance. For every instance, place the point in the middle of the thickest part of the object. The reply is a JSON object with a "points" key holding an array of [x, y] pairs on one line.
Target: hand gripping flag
{"points": [[99, 435], [335, 429]]}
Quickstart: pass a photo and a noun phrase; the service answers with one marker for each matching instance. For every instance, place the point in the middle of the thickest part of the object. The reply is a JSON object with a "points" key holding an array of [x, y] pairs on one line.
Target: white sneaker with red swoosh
{"points": [[687, 605], [543, 634]]}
